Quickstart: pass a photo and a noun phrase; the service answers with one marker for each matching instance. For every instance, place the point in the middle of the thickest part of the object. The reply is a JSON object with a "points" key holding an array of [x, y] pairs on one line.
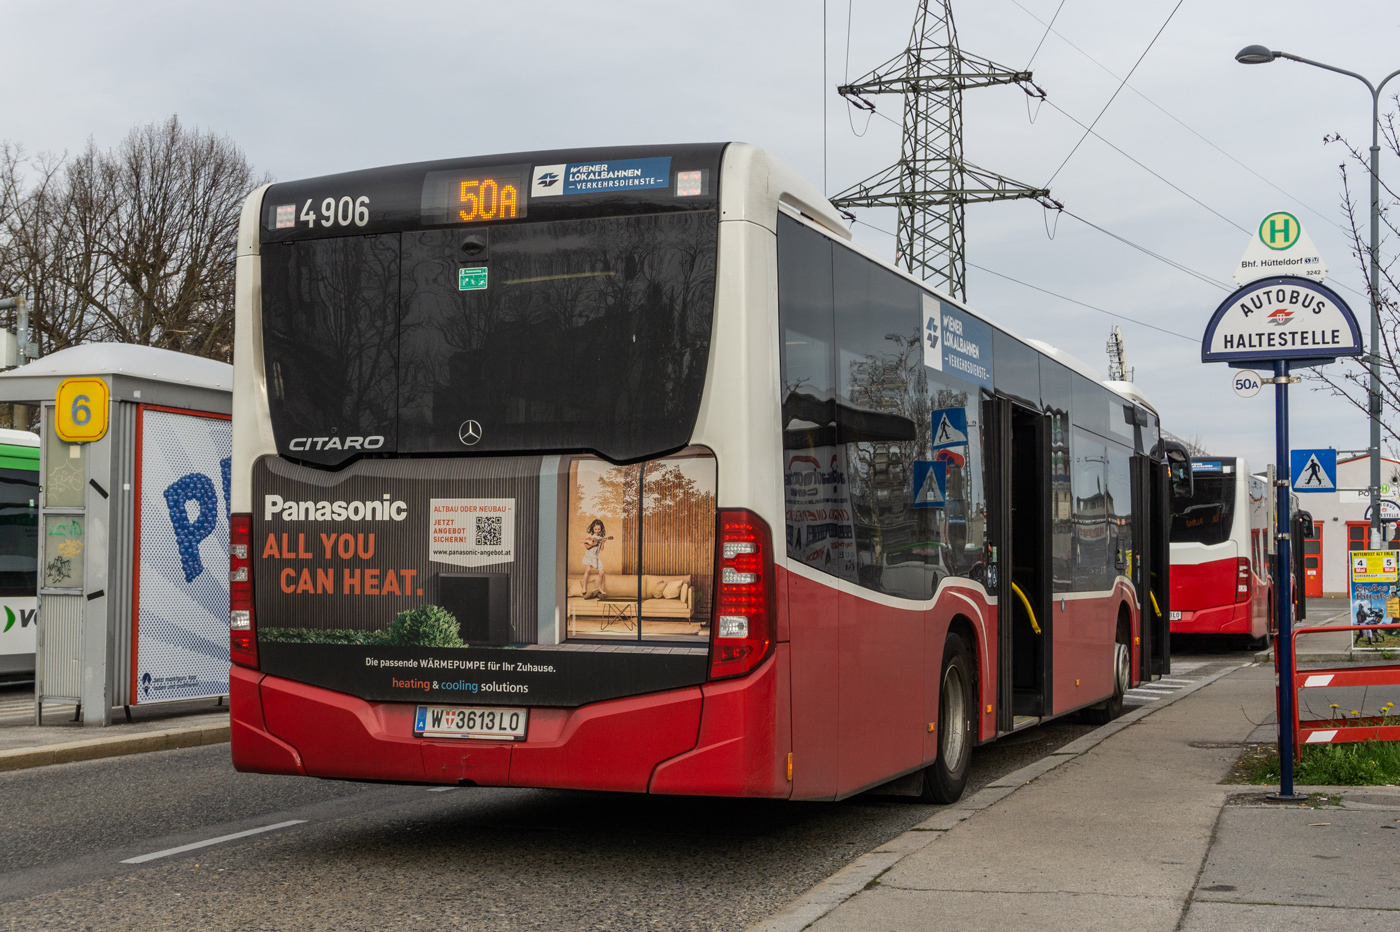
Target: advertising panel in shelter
{"points": [[181, 631]]}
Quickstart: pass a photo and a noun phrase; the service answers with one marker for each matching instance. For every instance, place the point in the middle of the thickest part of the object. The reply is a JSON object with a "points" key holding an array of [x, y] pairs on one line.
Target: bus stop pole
{"points": [[1283, 601]]}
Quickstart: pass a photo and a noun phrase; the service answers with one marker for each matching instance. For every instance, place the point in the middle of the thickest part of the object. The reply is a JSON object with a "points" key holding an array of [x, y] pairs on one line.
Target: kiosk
{"points": [[133, 526]]}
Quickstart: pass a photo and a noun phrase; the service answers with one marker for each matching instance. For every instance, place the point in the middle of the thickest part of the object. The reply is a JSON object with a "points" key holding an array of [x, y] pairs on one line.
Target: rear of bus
{"points": [[495, 521], [1218, 579]]}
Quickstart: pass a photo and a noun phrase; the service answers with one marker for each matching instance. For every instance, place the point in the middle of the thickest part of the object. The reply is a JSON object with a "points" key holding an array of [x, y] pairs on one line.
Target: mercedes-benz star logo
{"points": [[469, 433]]}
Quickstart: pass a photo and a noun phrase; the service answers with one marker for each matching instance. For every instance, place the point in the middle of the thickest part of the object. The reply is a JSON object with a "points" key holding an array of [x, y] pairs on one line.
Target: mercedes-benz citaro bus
{"points": [[1221, 553], [623, 469]]}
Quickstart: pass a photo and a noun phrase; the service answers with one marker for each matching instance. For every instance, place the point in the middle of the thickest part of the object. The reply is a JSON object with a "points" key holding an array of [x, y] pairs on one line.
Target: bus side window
{"points": [[815, 475], [1091, 552]]}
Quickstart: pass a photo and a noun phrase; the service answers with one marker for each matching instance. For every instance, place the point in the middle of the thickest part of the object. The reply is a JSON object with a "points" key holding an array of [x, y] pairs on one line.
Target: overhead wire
{"points": [[1055, 294], [850, 5], [1116, 92], [1045, 35], [1175, 187], [1049, 27], [1123, 239]]}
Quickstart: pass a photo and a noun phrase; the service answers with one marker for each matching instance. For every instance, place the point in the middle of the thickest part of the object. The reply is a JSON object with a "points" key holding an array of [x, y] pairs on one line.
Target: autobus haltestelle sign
{"points": [[1282, 317]]}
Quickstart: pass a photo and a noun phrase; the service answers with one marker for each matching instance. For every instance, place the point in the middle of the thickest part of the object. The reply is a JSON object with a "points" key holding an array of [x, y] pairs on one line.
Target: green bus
{"points": [[19, 551]]}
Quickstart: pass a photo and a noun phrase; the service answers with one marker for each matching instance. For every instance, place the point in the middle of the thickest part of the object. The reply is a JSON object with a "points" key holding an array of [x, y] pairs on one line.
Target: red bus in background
{"points": [[1222, 553], [625, 470]]}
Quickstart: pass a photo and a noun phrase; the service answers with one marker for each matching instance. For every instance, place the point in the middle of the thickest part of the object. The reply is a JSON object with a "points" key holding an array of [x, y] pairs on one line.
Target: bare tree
{"points": [[1351, 378], [134, 245]]}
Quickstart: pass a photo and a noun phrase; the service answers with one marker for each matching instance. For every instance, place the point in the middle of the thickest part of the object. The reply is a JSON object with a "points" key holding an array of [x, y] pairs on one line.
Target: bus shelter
{"points": [[133, 529]]}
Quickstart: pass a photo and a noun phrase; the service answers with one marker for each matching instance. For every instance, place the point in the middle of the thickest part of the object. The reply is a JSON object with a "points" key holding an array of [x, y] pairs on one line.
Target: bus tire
{"points": [[1111, 708], [945, 778]]}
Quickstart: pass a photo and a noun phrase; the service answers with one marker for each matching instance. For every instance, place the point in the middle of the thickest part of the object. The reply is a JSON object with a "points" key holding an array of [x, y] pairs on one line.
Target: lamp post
{"points": [[1259, 55]]}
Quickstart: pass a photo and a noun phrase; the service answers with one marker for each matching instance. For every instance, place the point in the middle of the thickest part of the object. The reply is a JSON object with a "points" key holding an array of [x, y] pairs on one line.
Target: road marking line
{"points": [[1177, 682], [1160, 692], [442, 789], [142, 859]]}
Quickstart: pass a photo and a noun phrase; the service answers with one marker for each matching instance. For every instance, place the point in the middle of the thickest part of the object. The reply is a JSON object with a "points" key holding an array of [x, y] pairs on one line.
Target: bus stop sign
{"points": [[1284, 317], [1288, 322]]}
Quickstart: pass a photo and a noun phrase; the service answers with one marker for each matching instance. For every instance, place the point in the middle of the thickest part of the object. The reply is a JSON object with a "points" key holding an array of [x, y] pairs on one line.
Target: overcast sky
{"points": [[310, 88]]}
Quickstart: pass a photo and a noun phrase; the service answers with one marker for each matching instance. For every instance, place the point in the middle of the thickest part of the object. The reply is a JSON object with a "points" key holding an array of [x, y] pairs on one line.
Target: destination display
{"points": [[475, 195], [538, 186]]}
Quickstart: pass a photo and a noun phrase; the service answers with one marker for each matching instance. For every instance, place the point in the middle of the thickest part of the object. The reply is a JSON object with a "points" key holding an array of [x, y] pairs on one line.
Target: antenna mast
{"points": [[1118, 370], [932, 183]]}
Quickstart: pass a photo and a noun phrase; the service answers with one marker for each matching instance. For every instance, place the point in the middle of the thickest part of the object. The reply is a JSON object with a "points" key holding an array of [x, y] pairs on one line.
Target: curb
{"points": [[851, 879], [115, 746]]}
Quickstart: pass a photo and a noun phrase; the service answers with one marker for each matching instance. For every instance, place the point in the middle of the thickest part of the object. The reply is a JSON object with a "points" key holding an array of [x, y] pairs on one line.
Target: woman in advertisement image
{"points": [[593, 542]]}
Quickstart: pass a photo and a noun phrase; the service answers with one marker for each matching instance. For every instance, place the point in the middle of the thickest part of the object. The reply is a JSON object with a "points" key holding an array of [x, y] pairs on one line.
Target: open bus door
{"points": [[1152, 562], [1019, 532], [1167, 475]]}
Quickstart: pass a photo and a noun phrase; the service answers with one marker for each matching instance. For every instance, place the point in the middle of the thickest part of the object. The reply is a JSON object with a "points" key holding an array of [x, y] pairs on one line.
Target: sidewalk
{"points": [[156, 728], [1134, 833]]}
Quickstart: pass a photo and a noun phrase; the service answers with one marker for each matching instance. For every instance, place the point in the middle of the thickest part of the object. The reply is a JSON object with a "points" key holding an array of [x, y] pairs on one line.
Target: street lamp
{"points": [[1258, 55]]}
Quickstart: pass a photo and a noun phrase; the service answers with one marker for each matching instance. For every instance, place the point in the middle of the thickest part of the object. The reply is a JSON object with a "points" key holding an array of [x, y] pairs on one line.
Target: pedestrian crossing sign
{"points": [[930, 483], [1313, 470], [949, 427]]}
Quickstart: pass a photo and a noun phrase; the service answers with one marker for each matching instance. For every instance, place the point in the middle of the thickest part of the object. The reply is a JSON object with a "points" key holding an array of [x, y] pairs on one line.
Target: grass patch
{"points": [[1386, 643], [1366, 763]]}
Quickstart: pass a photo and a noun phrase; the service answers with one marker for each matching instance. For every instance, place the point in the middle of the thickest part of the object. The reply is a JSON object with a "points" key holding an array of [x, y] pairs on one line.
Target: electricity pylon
{"points": [[932, 183]]}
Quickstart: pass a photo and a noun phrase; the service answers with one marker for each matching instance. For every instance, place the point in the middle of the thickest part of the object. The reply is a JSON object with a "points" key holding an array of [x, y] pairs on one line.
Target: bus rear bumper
{"points": [[658, 742], [1236, 618]]}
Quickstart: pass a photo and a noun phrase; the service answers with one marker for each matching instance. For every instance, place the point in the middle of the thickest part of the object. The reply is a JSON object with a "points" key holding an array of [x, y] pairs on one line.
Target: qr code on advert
{"points": [[488, 531]]}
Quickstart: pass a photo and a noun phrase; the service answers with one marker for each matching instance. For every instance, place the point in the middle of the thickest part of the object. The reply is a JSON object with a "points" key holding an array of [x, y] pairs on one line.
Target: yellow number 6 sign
{"points": [[81, 410]]}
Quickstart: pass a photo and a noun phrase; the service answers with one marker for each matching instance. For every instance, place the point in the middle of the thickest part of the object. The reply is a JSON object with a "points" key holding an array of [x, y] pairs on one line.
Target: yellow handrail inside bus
{"points": [[1155, 607], [1027, 603]]}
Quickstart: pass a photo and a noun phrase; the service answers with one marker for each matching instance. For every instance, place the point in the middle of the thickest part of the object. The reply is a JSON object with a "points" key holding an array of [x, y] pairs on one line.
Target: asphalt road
{"points": [[374, 857]]}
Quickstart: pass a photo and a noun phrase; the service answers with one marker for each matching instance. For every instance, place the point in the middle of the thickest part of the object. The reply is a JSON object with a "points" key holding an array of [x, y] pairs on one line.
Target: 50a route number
{"points": [[1246, 383]]}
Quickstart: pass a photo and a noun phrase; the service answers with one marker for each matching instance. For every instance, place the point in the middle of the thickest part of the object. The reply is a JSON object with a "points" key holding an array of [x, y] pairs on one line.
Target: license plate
{"points": [[1173, 616], [440, 721]]}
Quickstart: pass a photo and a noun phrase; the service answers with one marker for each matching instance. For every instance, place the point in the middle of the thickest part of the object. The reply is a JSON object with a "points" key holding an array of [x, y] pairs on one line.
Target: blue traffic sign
{"points": [[1313, 470], [930, 483]]}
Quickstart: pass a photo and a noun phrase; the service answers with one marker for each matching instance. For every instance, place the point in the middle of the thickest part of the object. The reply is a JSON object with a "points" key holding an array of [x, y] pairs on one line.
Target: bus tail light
{"points": [[1242, 581], [242, 635], [741, 629]]}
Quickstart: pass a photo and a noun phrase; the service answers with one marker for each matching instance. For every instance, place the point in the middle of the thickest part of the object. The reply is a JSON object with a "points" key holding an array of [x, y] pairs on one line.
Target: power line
{"points": [[1045, 35], [1049, 28], [1116, 92], [1154, 174], [1056, 294], [1158, 256]]}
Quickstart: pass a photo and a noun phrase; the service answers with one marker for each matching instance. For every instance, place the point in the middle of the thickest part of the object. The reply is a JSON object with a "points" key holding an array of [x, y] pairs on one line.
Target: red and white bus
{"points": [[1222, 553], [623, 469]]}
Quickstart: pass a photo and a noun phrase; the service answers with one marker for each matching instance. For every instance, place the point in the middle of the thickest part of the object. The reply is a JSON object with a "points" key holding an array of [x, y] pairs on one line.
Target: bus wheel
{"points": [[1109, 709], [945, 778]]}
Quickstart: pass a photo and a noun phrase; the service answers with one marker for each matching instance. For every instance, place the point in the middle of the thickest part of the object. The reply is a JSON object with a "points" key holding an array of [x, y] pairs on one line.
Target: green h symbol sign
{"points": [[1280, 230]]}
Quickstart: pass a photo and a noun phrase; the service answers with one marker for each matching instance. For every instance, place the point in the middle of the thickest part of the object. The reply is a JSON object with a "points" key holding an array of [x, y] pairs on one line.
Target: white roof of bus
{"points": [[1129, 390], [1065, 359], [20, 438], [142, 362]]}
